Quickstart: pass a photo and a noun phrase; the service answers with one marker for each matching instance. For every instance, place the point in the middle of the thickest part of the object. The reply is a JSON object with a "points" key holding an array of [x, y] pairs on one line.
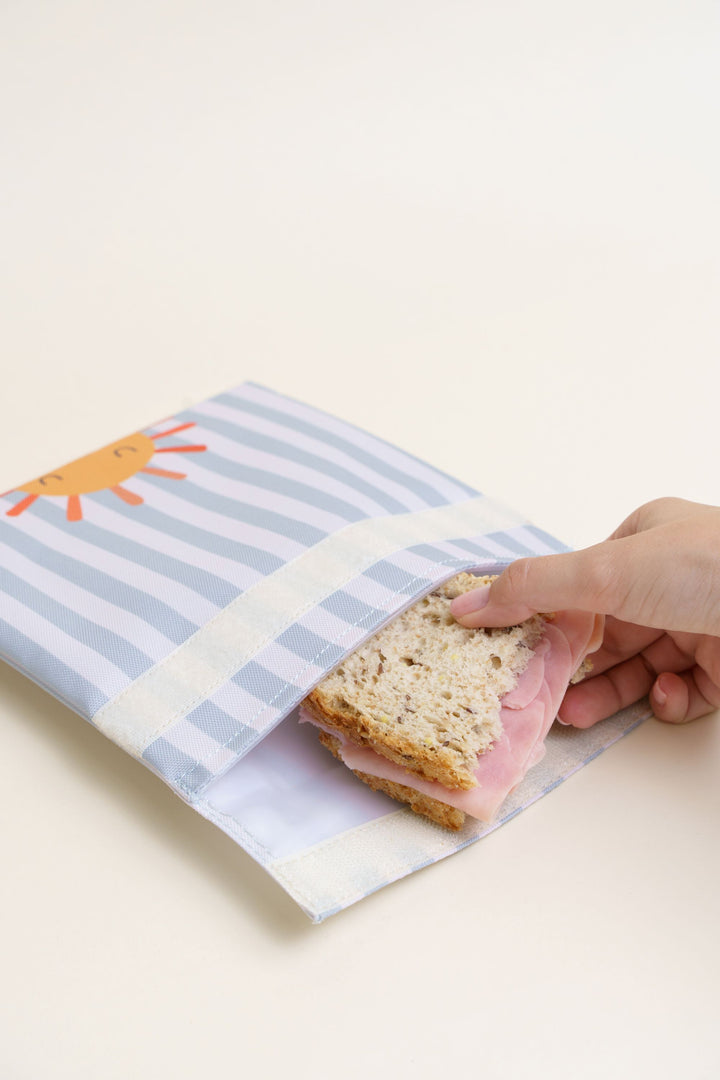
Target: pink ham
{"points": [[527, 714]]}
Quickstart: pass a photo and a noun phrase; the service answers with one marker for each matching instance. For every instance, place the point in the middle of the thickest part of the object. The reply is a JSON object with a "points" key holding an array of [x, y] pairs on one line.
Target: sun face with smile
{"points": [[105, 469]]}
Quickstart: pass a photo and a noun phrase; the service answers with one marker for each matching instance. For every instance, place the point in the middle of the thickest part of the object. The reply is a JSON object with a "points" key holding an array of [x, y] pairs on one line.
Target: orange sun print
{"points": [[105, 469]]}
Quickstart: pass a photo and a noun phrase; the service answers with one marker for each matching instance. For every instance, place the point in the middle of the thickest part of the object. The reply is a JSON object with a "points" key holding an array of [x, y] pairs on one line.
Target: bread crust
{"points": [[442, 814], [431, 764], [424, 692]]}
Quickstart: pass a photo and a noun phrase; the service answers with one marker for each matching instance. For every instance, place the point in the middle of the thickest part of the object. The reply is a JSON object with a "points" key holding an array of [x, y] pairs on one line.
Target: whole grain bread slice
{"points": [[425, 691], [437, 811]]}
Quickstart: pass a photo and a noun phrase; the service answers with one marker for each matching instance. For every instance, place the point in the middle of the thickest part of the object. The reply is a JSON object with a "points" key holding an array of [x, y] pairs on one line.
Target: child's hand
{"points": [[657, 579]]}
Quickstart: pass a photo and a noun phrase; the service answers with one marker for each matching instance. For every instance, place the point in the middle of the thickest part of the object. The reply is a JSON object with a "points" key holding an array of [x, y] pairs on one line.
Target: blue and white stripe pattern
{"points": [[88, 608], [187, 616], [231, 720]]}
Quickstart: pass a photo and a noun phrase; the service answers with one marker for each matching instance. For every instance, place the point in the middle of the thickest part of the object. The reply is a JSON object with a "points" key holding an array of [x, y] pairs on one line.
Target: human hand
{"points": [[657, 581]]}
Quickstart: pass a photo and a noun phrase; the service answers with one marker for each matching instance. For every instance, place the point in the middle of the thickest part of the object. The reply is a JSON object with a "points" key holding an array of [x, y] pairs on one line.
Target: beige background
{"points": [[487, 232]]}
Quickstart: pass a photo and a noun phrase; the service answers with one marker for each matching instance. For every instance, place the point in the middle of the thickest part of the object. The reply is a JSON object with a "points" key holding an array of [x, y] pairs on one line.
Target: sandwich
{"points": [[445, 718]]}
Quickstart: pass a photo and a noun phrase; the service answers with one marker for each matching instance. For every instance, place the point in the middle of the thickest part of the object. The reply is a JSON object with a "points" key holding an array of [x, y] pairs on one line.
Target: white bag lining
{"points": [[290, 793], [329, 840]]}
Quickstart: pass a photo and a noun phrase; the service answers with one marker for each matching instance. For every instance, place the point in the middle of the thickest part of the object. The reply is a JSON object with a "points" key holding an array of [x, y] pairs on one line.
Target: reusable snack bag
{"points": [[185, 587]]}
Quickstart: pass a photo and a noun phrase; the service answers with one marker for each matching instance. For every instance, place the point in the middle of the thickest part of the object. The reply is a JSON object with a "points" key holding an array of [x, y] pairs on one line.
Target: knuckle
{"points": [[602, 580], [514, 580], [656, 512], [707, 658], [663, 509], [617, 580]]}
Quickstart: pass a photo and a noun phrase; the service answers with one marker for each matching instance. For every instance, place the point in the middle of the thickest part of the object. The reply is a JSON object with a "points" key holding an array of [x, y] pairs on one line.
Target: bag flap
{"points": [[186, 586]]}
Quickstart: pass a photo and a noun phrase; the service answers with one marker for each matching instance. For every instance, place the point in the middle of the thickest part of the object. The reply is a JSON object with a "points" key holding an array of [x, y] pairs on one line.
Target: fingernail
{"points": [[660, 693], [565, 723], [475, 600]]}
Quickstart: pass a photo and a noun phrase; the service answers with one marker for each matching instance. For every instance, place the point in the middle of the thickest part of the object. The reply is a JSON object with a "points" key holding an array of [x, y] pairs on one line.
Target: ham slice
{"points": [[527, 713]]}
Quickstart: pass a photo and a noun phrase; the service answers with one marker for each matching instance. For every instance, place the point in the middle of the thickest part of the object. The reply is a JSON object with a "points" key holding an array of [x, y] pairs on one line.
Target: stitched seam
{"points": [[285, 875], [336, 641], [232, 670], [267, 640], [367, 828], [237, 831], [280, 867]]}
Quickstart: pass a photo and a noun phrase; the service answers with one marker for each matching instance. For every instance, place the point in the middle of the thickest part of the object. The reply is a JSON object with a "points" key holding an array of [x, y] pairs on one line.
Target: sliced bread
{"points": [[424, 691]]}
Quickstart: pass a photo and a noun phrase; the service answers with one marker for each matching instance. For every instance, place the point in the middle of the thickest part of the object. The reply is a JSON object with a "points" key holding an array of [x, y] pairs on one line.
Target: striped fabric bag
{"points": [[186, 586]]}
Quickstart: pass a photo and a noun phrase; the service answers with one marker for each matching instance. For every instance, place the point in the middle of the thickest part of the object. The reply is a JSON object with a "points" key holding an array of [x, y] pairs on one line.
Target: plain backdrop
{"points": [[487, 232]]}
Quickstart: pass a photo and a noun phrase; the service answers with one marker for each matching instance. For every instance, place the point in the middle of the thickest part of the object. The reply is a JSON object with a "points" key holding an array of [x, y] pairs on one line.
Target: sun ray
{"points": [[164, 472], [106, 469], [127, 496], [74, 509], [174, 431], [22, 505], [178, 449]]}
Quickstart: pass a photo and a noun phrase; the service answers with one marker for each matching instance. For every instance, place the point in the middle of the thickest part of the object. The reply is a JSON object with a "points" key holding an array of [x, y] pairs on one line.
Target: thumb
{"points": [[595, 579]]}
